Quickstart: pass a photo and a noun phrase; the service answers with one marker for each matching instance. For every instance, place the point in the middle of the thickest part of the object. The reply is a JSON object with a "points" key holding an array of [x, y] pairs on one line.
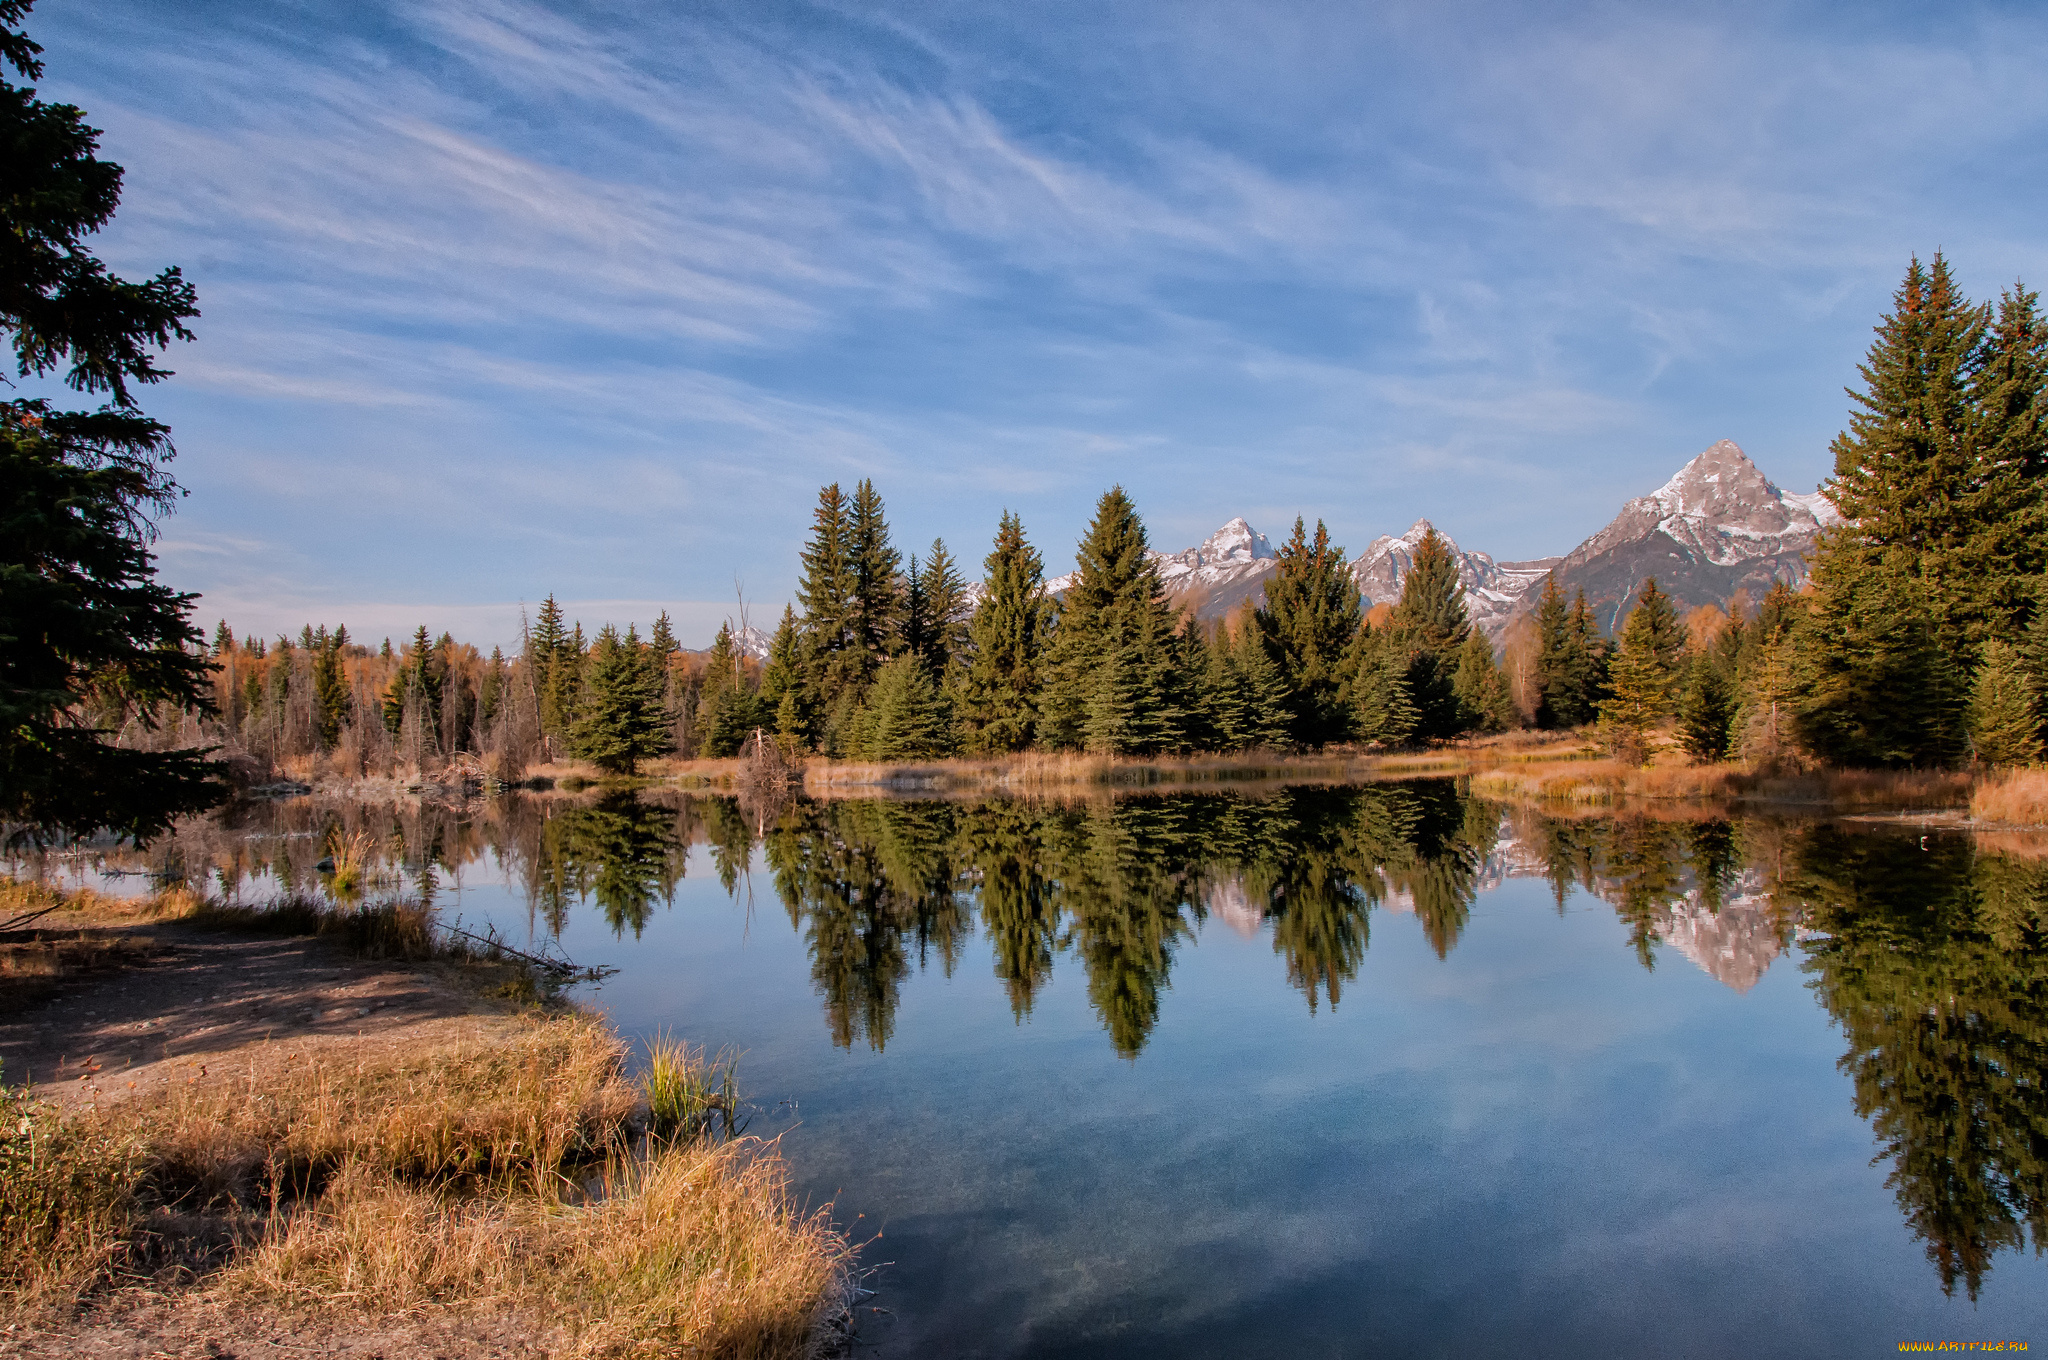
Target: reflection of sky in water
{"points": [[1532, 1147]]}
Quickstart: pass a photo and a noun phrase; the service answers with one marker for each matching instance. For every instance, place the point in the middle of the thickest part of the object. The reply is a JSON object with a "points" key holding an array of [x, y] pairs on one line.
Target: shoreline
{"points": [[1558, 771], [258, 1126]]}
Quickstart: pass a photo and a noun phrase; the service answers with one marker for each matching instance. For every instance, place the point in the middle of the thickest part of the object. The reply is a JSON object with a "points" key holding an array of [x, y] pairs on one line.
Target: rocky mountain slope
{"points": [[1716, 527], [1493, 590]]}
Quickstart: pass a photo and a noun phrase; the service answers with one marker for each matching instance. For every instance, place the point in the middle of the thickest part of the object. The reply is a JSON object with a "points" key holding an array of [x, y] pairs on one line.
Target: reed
{"points": [[351, 853], [686, 1096]]}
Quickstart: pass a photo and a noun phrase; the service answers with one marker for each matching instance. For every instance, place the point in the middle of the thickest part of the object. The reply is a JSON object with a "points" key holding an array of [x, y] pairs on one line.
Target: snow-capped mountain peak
{"points": [[1493, 590], [1717, 526]]}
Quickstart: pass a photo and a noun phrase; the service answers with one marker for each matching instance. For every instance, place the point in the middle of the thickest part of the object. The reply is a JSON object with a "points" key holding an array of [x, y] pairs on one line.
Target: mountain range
{"points": [[1718, 526]]}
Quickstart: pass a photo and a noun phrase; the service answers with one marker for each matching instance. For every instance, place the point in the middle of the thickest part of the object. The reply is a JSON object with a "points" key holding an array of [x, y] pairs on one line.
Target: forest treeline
{"points": [[1920, 639]]}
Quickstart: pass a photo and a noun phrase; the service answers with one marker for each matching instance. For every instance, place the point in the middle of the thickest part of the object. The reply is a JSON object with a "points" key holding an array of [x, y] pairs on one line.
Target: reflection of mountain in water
{"points": [[1677, 882], [1733, 943]]}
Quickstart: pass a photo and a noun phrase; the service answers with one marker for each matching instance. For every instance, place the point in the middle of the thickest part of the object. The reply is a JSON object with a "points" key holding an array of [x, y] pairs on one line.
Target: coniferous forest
{"points": [[1919, 641]]}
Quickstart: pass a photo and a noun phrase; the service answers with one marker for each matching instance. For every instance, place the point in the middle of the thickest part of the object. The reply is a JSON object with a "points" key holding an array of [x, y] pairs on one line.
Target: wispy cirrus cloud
{"points": [[503, 297]]}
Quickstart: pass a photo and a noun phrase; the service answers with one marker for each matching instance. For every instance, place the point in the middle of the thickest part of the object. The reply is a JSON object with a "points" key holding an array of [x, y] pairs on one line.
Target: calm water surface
{"points": [[1369, 1071]]}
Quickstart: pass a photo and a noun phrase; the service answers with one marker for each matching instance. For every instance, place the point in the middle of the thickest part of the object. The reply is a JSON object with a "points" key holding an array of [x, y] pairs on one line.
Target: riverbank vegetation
{"points": [[1920, 642], [507, 1168]]}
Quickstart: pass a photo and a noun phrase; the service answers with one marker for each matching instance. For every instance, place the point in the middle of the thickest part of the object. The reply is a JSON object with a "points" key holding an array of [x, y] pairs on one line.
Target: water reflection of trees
{"points": [[1932, 961], [1118, 885]]}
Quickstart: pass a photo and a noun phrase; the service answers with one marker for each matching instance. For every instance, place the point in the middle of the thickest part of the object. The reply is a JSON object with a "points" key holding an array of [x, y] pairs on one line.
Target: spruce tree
{"points": [[423, 678], [619, 720], [1640, 680], [2007, 502], [914, 629], [1875, 686], [825, 593], [1116, 608], [875, 619], [907, 714], [1310, 616], [1481, 687], [1659, 627], [1377, 689], [998, 709], [1553, 668], [662, 637], [1430, 625], [90, 640], [2033, 648], [1907, 467], [1767, 678], [330, 692], [1268, 711], [942, 639], [2004, 729], [782, 680], [1706, 710], [547, 647], [491, 692]]}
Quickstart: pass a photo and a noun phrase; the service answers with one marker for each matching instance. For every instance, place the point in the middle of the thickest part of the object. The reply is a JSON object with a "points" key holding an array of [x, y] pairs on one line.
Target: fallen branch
{"points": [[556, 968], [18, 922]]}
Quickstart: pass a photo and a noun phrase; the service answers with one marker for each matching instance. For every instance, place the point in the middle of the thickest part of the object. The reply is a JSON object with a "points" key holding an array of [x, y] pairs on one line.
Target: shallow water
{"points": [[1352, 1072]]}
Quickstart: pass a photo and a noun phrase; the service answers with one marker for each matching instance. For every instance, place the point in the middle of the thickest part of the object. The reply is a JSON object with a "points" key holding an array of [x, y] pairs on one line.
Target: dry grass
{"points": [[1601, 782], [66, 1201], [46, 948], [18, 897], [2013, 798], [503, 1175], [696, 1248], [507, 1114], [1579, 784], [1045, 771]]}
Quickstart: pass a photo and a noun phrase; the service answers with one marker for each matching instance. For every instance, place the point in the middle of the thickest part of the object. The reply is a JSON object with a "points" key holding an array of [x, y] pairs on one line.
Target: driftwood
{"points": [[559, 969]]}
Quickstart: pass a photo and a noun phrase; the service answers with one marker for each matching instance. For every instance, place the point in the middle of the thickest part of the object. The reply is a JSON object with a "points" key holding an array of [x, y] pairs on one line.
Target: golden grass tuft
{"points": [[696, 1248], [66, 1201], [2014, 798], [506, 1113], [21, 896], [489, 1174]]}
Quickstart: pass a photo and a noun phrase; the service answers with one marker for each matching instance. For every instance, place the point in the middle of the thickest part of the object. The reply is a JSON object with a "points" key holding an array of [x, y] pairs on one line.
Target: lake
{"points": [[1378, 1070]]}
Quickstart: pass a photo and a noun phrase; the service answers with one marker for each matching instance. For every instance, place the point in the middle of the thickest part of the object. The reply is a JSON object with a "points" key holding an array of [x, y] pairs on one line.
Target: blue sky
{"points": [[502, 299]]}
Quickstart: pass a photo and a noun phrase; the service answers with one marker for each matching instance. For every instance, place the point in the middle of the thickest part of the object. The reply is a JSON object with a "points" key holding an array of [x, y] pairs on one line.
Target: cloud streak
{"points": [[593, 301]]}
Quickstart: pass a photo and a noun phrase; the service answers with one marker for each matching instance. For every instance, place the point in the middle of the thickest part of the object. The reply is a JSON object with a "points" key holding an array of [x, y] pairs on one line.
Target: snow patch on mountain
{"points": [[1215, 576], [1493, 590], [1718, 526]]}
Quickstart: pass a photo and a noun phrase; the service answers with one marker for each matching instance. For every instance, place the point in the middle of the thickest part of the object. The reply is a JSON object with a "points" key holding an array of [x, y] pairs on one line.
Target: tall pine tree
{"points": [[1113, 621], [999, 693], [1906, 467], [1430, 626], [619, 720], [1310, 616]]}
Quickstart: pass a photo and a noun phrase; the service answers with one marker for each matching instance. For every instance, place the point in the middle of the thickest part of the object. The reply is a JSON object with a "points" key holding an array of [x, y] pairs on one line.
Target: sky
{"points": [[503, 299]]}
